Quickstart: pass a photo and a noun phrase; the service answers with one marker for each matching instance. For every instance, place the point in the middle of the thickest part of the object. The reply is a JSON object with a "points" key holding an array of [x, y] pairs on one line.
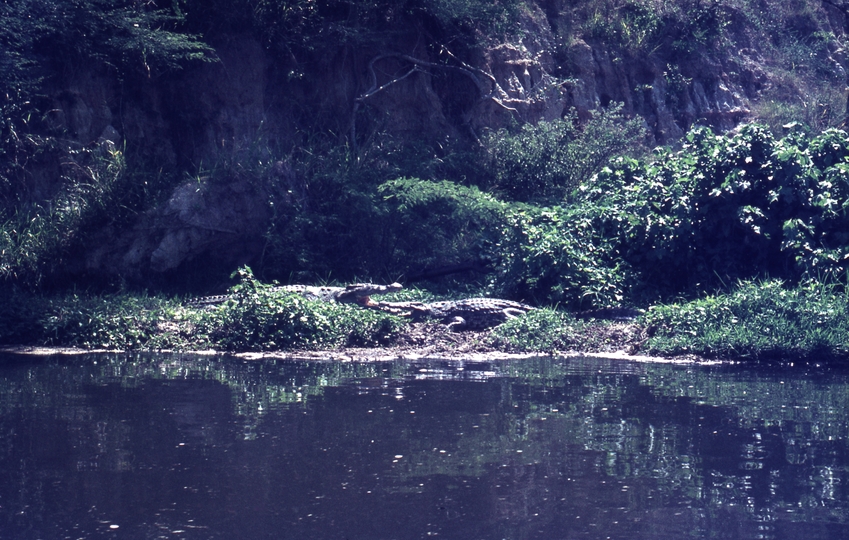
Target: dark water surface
{"points": [[182, 446]]}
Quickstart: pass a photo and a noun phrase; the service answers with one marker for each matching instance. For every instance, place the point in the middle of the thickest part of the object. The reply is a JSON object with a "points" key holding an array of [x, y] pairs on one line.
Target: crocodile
{"points": [[356, 293], [482, 313], [466, 314]]}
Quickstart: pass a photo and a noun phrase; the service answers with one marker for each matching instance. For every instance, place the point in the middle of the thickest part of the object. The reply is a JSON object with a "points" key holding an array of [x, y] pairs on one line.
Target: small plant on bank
{"points": [[258, 318], [544, 330], [550, 331]]}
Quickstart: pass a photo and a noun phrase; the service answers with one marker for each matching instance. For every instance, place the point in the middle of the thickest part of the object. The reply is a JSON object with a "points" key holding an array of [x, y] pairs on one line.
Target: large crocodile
{"points": [[357, 293], [466, 314], [481, 313]]}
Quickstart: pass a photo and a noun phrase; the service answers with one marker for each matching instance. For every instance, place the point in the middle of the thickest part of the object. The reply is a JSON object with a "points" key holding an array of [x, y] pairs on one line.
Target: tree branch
{"points": [[489, 89]]}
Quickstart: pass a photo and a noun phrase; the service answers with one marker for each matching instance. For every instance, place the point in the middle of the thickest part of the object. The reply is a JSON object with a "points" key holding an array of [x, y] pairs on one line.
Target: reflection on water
{"points": [[181, 446]]}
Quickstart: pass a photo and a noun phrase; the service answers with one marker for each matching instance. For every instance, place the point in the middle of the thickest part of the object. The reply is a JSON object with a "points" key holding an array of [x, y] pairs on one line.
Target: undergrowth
{"points": [[756, 321], [254, 318], [544, 330], [552, 331]]}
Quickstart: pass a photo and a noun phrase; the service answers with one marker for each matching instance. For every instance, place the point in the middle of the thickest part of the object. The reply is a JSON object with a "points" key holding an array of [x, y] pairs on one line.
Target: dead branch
{"points": [[489, 89]]}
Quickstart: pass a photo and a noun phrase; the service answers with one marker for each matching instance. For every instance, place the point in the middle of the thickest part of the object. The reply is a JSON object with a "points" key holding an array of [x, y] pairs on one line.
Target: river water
{"points": [[188, 446]]}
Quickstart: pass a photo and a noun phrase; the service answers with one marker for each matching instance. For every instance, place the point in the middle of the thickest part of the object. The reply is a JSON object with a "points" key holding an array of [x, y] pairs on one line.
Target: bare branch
{"points": [[489, 89], [372, 91]]}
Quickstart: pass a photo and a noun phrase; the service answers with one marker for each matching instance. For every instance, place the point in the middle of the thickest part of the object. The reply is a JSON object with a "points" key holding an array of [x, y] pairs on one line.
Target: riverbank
{"points": [[763, 321], [606, 340]]}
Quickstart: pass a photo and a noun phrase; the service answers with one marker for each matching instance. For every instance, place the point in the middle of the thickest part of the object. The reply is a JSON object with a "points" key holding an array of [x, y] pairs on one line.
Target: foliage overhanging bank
{"points": [[682, 222]]}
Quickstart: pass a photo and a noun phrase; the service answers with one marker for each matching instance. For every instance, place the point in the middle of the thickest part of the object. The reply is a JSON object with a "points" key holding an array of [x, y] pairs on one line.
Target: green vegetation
{"points": [[37, 240], [547, 161], [54, 191], [42, 36], [575, 213], [254, 318], [552, 331], [756, 320], [685, 222], [721, 208], [759, 321], [671, 226], [392, 209]]}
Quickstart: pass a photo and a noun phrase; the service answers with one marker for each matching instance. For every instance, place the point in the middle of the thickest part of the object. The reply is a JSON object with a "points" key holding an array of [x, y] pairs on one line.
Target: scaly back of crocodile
{"points": [[476, 313], [358, 293], [469, 313]]}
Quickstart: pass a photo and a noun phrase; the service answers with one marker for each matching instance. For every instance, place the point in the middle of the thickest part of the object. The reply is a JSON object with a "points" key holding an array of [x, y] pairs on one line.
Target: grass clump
{"points": [[550, 330], [118, 321], [756, 321], [544, 330]]}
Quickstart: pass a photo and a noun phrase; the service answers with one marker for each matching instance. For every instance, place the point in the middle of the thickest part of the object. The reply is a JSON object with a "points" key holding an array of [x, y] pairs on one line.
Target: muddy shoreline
{"points": [[419, 342]]}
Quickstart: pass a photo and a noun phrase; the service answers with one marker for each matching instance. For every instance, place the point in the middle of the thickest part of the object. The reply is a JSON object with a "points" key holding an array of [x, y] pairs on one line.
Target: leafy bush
{"points": [[547, 161], [256, 318], [721, 208], [562, 256], [435, 224], [727, 208], [342, 216]]}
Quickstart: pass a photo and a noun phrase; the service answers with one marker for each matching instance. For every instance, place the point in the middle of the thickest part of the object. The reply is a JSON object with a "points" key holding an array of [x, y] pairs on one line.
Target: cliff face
{"points": [[411, 86], [249, 92]]}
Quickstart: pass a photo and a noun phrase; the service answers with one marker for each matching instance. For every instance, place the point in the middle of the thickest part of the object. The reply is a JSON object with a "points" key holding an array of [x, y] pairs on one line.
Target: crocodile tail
{"points": [[512, 312]]}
